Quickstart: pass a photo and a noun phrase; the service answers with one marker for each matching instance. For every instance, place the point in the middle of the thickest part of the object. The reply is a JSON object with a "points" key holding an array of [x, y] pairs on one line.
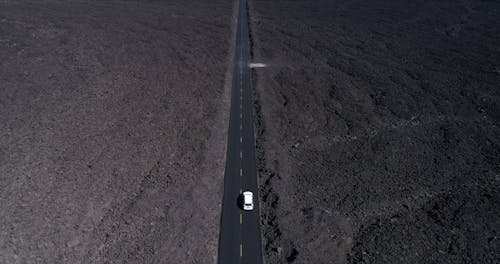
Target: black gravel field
{"points": [[378, 130], [113, 118]]}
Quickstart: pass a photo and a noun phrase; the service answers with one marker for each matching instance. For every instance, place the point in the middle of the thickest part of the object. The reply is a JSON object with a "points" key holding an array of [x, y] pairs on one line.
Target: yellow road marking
{"points": [[241, 172], [241, 219], [241, 250]]}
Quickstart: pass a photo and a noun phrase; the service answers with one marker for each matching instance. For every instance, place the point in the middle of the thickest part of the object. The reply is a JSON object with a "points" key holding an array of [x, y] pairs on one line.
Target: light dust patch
{"points": [[257, 65]]}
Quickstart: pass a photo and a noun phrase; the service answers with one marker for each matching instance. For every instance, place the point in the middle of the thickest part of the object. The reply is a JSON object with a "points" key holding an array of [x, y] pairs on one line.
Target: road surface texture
{"points": [[377, 126], [240, 240], [113, 121]]}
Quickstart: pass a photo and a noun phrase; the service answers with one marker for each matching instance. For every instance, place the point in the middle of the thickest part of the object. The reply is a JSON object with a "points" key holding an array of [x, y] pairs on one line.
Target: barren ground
{"points": [[378, 130], [112, 126]]}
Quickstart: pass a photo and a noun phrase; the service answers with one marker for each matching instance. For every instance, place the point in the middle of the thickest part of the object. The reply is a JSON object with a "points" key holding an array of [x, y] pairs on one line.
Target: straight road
{"points": [[239, 240]]}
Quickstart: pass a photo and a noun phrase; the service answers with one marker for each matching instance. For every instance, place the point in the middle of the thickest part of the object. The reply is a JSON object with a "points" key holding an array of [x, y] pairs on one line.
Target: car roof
{"points": [[248, 197]]}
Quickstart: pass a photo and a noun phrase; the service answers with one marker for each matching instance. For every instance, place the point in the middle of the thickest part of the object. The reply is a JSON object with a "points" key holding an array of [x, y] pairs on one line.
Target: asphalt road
{"points": [[240, 240]]}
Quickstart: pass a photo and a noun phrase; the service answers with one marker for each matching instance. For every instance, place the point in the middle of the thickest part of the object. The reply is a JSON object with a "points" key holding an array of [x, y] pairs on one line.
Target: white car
{"points": [[247, 201]]}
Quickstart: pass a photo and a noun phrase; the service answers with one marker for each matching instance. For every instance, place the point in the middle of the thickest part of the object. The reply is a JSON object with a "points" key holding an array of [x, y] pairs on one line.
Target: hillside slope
{"points": [[378, 126], [113, 118]]}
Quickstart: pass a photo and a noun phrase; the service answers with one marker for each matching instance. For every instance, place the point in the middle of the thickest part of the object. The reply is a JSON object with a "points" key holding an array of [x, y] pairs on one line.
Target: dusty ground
{"points": [[112, 126], [378, 130]]}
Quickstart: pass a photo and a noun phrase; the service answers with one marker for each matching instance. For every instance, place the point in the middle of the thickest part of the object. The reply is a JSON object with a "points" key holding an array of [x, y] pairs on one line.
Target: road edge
{"points": [[223, 116]]}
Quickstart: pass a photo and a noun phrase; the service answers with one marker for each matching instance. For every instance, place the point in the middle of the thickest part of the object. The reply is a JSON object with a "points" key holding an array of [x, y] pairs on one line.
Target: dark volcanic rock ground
{"points": [[112, 126], [378, 137]]}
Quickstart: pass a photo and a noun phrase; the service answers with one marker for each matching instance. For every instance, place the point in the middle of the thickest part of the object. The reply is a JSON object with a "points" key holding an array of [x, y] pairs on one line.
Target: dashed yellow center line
{"points": [[241, 219], [241, 250]]}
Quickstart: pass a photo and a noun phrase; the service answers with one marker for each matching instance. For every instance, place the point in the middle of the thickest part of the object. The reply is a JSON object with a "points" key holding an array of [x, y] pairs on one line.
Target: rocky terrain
{"points": [[378, 130], [113, 118]]}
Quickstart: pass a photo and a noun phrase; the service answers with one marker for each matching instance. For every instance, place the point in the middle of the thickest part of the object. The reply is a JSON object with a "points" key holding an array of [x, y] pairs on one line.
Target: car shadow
{"points": [[239, 201]]}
